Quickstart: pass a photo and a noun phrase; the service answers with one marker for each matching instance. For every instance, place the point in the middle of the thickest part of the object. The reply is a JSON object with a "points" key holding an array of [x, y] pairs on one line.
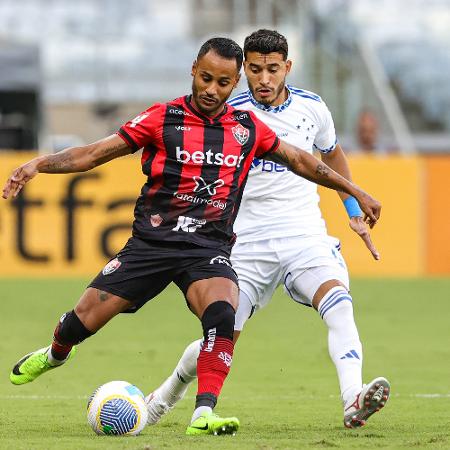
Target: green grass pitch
{"points": [[282, 385]]}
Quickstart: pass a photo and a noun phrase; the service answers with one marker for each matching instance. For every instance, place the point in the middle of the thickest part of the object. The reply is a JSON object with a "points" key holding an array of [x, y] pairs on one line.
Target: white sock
{"points": [[344, 346], [52, 360], [174, 388], [199, 411]]}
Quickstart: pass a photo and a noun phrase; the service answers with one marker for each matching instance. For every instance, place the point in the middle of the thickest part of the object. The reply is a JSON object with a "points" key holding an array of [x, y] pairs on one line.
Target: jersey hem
{"points": [[243, 240]]}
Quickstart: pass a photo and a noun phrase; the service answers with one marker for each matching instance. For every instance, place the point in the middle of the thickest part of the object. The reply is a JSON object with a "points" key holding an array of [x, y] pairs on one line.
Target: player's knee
{"points": [[219, 315], [336, 308], [336, 299], [70, 330]]}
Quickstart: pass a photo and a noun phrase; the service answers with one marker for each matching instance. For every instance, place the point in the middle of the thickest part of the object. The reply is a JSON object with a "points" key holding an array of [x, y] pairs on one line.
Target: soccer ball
{"points": [[117, 408]]}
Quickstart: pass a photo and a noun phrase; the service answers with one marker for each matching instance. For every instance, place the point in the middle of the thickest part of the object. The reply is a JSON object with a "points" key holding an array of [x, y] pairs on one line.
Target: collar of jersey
{"points": [[273, 109], [187, 101]]}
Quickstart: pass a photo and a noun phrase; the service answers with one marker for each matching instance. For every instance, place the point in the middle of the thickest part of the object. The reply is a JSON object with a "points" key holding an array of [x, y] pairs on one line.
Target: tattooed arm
{"points": [[73, 159], [308, 166]]}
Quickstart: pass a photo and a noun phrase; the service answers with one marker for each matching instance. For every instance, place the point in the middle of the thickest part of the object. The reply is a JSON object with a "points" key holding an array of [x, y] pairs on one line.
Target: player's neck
{"points": [[284, 94], [204, 113]]}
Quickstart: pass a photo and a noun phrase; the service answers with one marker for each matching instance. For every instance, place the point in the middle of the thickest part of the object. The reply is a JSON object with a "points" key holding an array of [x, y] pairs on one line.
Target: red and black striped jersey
{"points": [[197, 167]]}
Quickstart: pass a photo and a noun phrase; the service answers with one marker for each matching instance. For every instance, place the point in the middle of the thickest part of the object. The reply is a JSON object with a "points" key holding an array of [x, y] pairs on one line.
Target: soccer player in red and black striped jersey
{"points": [[197, 152]]}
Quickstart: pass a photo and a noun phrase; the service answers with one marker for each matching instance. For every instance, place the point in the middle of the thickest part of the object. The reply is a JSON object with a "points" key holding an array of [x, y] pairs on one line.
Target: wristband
{"points": [[352, 207]]}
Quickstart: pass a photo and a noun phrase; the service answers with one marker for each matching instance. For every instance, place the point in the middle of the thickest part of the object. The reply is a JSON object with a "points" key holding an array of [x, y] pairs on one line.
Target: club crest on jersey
{"points": [[111, 267], [155, 220], [240, 133]]}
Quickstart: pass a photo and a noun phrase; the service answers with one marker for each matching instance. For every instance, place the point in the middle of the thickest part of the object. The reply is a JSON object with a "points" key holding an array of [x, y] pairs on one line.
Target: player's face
{"points": [[266, 77], [214, 78]]}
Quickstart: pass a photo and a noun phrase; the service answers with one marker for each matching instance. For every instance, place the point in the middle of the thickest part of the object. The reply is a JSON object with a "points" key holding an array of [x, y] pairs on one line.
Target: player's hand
{"points": [[358, 225], [370, 207], [19, 178]]}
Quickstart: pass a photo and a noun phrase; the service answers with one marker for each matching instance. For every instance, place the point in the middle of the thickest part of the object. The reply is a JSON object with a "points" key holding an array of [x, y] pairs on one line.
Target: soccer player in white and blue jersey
{"points": [[282, 238]]}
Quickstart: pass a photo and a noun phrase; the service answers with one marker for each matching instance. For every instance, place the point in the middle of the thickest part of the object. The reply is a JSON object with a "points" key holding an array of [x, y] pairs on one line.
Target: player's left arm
{"points": [[308, 166], [337, 161]]}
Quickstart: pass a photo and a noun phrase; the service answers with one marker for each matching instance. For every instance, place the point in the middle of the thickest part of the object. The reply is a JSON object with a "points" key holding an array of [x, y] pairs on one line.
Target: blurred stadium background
{"points": [[72, 72]]}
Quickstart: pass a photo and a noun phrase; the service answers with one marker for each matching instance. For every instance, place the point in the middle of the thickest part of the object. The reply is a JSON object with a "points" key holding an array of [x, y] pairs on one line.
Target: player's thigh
{"points": [[207, 276], [258, 269], [138, 273], [319, 263]]}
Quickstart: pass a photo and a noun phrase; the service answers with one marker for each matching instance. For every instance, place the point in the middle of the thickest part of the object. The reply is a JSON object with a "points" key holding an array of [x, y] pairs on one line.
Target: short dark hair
{"points": [[224, 47], [266, 41]]}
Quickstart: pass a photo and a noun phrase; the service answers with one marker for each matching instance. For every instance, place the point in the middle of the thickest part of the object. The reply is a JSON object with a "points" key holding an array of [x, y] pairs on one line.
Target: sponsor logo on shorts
{"points": [[220, 260], [241, 134], [226, 358], [209, 347], [111, 267], [156, 220]]}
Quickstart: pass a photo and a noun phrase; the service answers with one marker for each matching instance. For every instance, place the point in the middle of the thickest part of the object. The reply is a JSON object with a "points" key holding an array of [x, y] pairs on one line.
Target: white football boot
{"points": [[156, 407], [371, 399]]}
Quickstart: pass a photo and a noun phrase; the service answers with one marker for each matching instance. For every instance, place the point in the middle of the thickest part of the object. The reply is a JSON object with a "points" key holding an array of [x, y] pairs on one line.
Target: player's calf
{"points": [[164, 398], [215, 357], [70, 331]]}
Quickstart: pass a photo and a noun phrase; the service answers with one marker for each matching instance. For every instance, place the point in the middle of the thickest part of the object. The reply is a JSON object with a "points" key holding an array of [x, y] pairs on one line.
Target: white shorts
{"points": [[301, 263]]}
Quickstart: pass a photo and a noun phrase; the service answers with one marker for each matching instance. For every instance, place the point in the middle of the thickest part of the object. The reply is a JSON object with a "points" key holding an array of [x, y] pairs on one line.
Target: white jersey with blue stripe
{"points": [[276, 202]]}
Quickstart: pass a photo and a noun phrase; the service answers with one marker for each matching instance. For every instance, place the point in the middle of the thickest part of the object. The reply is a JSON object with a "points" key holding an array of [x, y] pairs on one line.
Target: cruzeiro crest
{"points": [[240, 133]]}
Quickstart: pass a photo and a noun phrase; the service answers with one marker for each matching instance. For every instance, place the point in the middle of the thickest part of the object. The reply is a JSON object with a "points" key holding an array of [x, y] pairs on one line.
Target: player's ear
{"points": [[288, 66], [194, 68], [236, 80]]}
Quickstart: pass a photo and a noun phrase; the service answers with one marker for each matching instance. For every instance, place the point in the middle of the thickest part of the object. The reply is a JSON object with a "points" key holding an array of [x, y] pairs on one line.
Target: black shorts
{"points": [[143, 269]]}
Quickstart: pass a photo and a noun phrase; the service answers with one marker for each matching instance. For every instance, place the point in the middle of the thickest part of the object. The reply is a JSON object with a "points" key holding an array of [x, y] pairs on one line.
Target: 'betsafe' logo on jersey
{"points": [[217, 159]]}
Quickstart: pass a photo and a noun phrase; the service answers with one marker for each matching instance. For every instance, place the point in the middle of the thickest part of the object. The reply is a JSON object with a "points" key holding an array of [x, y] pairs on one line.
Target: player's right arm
{"points": [[73, 159]]}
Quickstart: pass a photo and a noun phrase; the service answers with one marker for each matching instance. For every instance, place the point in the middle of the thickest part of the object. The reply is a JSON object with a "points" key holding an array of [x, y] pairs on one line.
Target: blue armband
{"points": [[352, 207]]}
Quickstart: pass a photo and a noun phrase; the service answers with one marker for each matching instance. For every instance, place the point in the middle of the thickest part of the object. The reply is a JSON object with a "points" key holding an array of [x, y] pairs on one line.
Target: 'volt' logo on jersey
{"points": [[267, 166], [188, 224], [201, 185]]}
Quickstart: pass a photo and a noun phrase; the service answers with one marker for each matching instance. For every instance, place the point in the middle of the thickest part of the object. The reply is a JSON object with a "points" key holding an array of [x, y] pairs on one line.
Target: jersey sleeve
{"points": [[326, 139], [141, 131], [267, 140]]}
